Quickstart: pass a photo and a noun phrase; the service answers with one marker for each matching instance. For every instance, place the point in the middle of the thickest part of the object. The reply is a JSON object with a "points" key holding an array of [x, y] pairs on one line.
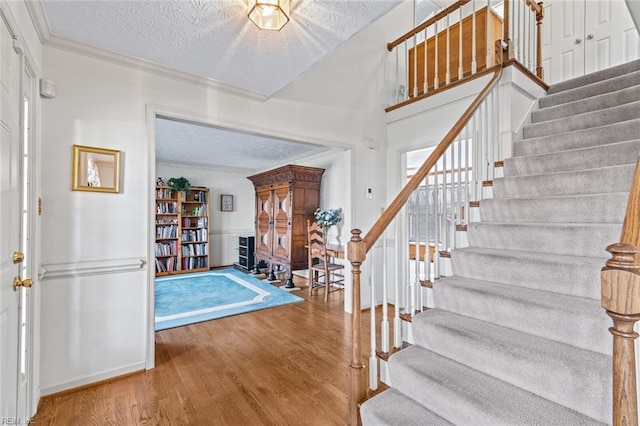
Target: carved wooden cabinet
{"points": [[285, 198]]}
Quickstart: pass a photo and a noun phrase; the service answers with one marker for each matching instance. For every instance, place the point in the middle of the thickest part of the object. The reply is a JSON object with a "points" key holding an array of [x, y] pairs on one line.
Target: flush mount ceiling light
{"points": [[268, 14]]}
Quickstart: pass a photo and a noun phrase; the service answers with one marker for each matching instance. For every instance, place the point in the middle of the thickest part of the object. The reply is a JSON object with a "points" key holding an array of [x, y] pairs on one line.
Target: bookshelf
{"points": [[182, 230]]}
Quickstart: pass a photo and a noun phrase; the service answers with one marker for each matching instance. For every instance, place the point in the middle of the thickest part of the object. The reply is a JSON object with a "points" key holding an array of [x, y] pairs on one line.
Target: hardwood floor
{"points": [[281, 366]]}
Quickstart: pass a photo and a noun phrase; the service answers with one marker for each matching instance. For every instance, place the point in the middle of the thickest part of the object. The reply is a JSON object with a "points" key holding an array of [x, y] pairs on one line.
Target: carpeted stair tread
{"points": [[594, 103], [570, 275], [571, 239], [571, 320], [465, 396], [614, 154], [585, 120], [618, 132], [578, 182], [594, 89], [595, 77], [391, 408], [561, 373], [589, 208]]}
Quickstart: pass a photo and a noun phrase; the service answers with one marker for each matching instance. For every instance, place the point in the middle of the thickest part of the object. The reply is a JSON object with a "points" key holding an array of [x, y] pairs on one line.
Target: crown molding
{"points": [[41, 24], [39, 19], [181, 165]]}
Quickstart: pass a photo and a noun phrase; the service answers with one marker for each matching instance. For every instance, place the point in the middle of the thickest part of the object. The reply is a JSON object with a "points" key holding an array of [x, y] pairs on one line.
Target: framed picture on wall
{"points": [[226, 202]]}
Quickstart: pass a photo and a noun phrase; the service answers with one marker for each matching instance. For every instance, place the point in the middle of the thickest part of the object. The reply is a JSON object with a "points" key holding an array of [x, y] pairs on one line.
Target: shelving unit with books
{"points": [[182, 230]]}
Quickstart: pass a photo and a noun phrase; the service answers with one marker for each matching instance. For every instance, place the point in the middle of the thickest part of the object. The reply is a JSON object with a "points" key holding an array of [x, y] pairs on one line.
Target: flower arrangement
{"points": [[329, 217]]}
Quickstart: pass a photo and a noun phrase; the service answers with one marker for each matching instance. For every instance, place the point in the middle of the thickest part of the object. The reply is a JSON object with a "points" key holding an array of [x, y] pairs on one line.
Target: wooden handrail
{"points": [[401, 199], [621, 299], [442, 14]]}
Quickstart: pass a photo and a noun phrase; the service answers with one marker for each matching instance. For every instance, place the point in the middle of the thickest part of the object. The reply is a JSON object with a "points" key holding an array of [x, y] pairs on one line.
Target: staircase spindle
{"points": [[384, 325], [425, 77], [397, 323], [436, 81], [474, 61], [373, 358]]}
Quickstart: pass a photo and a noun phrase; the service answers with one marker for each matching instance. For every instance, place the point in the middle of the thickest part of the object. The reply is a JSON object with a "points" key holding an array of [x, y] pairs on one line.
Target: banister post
{"points": [[539, 18], [621, 299], [356, 253], [508, 53]]}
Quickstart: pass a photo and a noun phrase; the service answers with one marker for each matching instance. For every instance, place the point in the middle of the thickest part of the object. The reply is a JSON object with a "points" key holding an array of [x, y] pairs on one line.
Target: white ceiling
{"points": [[214, 39], [205, 145]]}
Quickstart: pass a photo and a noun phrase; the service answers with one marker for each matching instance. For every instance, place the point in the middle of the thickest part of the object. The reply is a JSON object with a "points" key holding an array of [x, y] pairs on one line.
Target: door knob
{"points": [[578, 41], [17, 282], [590, 37]]}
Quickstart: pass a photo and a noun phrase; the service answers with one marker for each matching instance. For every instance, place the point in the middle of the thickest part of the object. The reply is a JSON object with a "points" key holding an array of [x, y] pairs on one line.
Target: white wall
{"points": [[94, 244], [105, 105], [224, 227]]}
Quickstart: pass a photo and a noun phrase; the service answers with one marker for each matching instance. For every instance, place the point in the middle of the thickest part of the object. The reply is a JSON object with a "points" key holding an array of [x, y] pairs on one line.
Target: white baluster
{"points": [[460, 67], [397, 323], [425, 76], [415, 66], [373, 359], [384, 326], [448, 64], [474, 62], [489, 62], [436, 82]]}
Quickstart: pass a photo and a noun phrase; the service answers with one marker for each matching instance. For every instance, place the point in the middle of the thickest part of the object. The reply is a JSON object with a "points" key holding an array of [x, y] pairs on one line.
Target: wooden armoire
{"points": [[286, 197]]}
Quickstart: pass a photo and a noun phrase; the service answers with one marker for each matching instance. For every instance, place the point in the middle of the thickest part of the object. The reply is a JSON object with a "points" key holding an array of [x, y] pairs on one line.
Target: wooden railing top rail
{"points": [[442, 14], [535, 7], [403, 196], [631, 226]]}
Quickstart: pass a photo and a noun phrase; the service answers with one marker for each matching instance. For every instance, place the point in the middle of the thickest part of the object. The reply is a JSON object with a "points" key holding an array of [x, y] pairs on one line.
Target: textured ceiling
{"points": [[189, 143], [214, 38]]}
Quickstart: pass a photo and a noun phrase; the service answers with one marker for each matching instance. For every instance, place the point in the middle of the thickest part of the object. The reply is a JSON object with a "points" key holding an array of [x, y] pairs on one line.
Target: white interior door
{"points": [[10, 223], [610, 35], [564, 50], [583, 36]]}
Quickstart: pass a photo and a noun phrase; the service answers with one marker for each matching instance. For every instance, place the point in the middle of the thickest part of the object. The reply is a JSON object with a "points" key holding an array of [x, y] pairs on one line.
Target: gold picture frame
{"points": [[95, 169]]}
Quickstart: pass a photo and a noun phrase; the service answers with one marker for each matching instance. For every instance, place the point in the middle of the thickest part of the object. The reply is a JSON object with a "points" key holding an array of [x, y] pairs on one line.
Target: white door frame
{"points": [[29, 73]]}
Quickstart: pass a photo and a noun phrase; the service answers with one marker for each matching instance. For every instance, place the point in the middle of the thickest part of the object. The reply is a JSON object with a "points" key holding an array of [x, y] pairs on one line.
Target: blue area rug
{"points": [[187, 299]]}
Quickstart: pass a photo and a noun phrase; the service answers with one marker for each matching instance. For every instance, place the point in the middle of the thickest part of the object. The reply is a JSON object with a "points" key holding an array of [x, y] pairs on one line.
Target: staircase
{"points": [[517, 335]]}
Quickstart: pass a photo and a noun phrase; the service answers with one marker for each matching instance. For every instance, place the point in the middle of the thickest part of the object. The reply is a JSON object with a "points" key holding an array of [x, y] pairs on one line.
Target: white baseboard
{"points": [[93, 378]]}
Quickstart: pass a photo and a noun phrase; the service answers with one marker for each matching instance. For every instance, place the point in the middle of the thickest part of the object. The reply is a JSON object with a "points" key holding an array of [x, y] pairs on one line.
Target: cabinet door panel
{"points": [[282, 223], [263, 222]]}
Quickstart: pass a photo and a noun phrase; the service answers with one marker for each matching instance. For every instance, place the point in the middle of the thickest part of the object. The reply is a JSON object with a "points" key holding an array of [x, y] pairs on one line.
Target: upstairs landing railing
{"points": [[459, 43]]}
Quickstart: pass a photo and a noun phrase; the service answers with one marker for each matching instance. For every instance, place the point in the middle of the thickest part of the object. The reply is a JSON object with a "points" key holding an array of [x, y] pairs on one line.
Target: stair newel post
{"points": [[356, 253], [621, 299], [539, 18]]}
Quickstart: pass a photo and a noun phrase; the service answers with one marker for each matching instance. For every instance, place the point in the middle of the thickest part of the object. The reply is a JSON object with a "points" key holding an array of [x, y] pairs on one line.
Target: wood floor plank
{"points": [[281, 366]]}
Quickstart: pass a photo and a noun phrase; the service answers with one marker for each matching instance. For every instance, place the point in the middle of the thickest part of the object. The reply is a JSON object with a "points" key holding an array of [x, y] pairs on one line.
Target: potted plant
{"points": [[179, 184]]}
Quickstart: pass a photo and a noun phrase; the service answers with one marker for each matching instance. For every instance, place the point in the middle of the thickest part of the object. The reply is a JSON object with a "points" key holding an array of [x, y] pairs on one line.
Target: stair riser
{"points": [[595, 77], [608, 100], [611, 85], [581, 280], [577, 240], [604, 208], [595, 181], [620, 132], [577, 325], [588, 158], [584, 121], [571, 380]]}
